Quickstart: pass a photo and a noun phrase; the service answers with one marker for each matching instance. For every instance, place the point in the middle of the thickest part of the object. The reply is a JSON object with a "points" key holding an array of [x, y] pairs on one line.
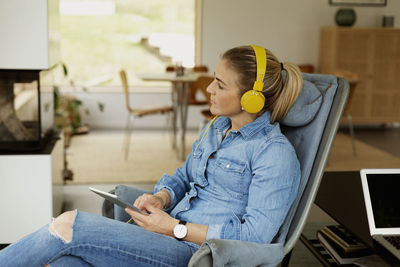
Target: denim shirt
{"points": [[241, 186]]}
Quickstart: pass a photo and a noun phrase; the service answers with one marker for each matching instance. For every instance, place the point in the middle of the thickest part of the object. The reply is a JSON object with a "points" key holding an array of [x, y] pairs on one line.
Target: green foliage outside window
{"points": [[96, 47]]}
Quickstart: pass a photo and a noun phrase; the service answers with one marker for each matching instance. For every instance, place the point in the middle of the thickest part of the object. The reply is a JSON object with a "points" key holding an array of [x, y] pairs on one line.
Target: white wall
{"points": [[29, 34], [289, 28]]}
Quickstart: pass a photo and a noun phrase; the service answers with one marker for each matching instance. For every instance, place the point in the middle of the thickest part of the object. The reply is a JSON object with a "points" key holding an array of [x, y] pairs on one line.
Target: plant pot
{"points": [[345, 17]]}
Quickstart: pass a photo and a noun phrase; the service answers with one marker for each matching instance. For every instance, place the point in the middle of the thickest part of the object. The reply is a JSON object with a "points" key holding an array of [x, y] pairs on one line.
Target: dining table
{"points": [[180, 100]]}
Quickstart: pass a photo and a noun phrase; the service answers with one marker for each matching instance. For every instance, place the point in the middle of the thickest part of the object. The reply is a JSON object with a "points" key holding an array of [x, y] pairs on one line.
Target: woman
{"points": [[238, 182]]}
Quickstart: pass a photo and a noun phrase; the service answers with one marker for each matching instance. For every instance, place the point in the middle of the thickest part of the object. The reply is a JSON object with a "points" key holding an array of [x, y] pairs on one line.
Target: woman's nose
{"points": [[210, 88]]}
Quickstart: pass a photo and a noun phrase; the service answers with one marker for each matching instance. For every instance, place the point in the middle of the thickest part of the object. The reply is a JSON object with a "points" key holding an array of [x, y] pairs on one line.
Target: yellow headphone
{"points": [[253, 100]]}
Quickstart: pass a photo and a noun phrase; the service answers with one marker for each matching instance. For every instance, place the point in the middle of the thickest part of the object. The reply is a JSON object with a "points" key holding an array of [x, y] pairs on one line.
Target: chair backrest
{"points": [[312, 141], [124, 82], [353, 79], [307, 68], [201, 84], [200, 68], [170, 68], [196, 68]]}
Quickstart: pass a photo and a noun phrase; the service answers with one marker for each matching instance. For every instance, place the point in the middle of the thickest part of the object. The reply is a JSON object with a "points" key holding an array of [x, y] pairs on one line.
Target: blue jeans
{"points": [[98, 241]]}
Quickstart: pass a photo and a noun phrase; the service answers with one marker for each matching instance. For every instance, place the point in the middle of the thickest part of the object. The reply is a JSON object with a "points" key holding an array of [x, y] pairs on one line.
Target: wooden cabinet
{"points": [[374, 54]]}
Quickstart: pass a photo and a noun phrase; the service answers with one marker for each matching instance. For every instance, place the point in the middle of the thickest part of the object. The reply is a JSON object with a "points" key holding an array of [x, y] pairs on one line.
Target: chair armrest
{"points": [[202, 258], [126, 193], [221, 252], [107, 208]]}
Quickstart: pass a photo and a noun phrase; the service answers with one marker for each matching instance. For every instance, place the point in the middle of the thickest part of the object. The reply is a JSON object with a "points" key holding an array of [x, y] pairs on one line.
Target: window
{"points": [[100, 37]]}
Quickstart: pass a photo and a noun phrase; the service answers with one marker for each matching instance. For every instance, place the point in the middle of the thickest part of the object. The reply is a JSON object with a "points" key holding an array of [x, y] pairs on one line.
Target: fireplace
{"points": [[21, 127], [29, 50]]}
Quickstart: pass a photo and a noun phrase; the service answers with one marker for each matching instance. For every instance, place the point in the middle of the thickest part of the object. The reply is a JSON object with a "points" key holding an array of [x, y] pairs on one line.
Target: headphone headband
{"points": [[253, 100], [261, 58]]}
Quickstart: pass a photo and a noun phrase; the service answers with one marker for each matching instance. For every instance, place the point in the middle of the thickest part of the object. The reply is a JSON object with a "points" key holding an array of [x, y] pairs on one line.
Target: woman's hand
{"points": [[157, 221], [147, 199], [159, 200]]}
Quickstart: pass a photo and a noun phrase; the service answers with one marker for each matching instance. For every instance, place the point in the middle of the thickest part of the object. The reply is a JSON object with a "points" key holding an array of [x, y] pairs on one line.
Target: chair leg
{"points": [[174, 96], [171, 127], [128, 131], [168, 122], [351, 128]]}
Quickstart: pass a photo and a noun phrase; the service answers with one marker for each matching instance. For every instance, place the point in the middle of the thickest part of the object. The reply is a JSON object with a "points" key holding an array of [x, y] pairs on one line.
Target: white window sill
{"points": [[111, 89]]}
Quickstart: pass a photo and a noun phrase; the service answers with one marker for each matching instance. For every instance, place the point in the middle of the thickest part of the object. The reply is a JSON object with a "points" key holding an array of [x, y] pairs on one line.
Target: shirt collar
{"points": [[247, 131]]}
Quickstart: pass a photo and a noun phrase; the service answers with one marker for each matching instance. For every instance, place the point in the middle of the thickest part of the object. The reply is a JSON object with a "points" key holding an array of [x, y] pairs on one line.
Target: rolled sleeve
{"points": [[230, 229], [177, 184], [172, 195]]}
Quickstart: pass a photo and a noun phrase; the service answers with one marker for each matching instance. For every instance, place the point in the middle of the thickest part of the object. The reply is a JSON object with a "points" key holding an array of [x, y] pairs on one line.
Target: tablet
{"points": [[114, 199]]}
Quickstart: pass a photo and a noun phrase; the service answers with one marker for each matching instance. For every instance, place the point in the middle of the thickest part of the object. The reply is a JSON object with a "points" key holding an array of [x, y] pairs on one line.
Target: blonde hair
{"points": [[280, 93]]}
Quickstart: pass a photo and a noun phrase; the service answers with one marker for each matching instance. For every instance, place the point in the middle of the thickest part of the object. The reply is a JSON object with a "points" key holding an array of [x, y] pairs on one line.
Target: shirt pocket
{"points": [[231, 177]]}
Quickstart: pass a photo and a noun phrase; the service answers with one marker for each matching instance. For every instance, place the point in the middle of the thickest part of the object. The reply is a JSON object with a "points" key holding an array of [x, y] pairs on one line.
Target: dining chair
{"points": [[306, 68], [200, 68], [353, 79], [140, 112], [193, 100], [170, 68], [201, 85]]}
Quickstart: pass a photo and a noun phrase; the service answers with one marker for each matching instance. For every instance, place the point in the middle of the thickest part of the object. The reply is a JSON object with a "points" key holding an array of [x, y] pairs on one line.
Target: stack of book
{"points": [[344, 247]]}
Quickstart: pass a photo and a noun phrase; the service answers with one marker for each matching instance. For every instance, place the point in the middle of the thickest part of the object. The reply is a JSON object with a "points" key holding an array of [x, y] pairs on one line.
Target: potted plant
{"points": [[68, 110]]}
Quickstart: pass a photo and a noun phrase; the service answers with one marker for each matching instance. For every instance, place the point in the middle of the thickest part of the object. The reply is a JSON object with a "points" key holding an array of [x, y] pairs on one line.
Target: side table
{"points": [[340, 196]]}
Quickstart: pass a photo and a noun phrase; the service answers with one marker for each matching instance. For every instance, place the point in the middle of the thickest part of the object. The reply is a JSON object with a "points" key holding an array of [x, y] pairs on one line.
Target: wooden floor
{"points": [[383, 138]]}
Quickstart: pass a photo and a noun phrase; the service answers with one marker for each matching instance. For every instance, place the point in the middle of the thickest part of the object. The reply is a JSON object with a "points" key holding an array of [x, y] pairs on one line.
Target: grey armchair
{"points": [[311, 126]]}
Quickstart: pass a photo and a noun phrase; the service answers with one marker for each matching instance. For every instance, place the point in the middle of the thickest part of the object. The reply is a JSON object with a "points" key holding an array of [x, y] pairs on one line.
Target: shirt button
{"points": [[228, 165]]}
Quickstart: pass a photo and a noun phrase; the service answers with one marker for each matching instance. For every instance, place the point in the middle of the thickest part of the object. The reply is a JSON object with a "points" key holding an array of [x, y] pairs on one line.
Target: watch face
{"points": [[180, 231]]}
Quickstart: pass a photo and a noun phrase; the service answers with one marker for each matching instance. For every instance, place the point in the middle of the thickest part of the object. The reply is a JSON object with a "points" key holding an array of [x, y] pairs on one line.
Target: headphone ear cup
{"points": [[252, 101]]}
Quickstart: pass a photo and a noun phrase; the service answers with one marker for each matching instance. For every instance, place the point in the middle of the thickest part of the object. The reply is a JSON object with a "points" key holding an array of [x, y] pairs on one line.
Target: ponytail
{"points": [[291, 89]]}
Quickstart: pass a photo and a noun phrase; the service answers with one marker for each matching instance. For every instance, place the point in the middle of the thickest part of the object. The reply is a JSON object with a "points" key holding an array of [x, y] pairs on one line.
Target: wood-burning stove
{"points": [[21, 131]]}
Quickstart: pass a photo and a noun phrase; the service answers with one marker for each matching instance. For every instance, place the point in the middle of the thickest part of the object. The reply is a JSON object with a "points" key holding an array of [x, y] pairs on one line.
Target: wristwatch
{"points": [[180, 230]]}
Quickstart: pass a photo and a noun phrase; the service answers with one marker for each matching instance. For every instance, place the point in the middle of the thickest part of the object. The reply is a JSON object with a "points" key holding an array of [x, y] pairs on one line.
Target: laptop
{"points": [[381, 188]]}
